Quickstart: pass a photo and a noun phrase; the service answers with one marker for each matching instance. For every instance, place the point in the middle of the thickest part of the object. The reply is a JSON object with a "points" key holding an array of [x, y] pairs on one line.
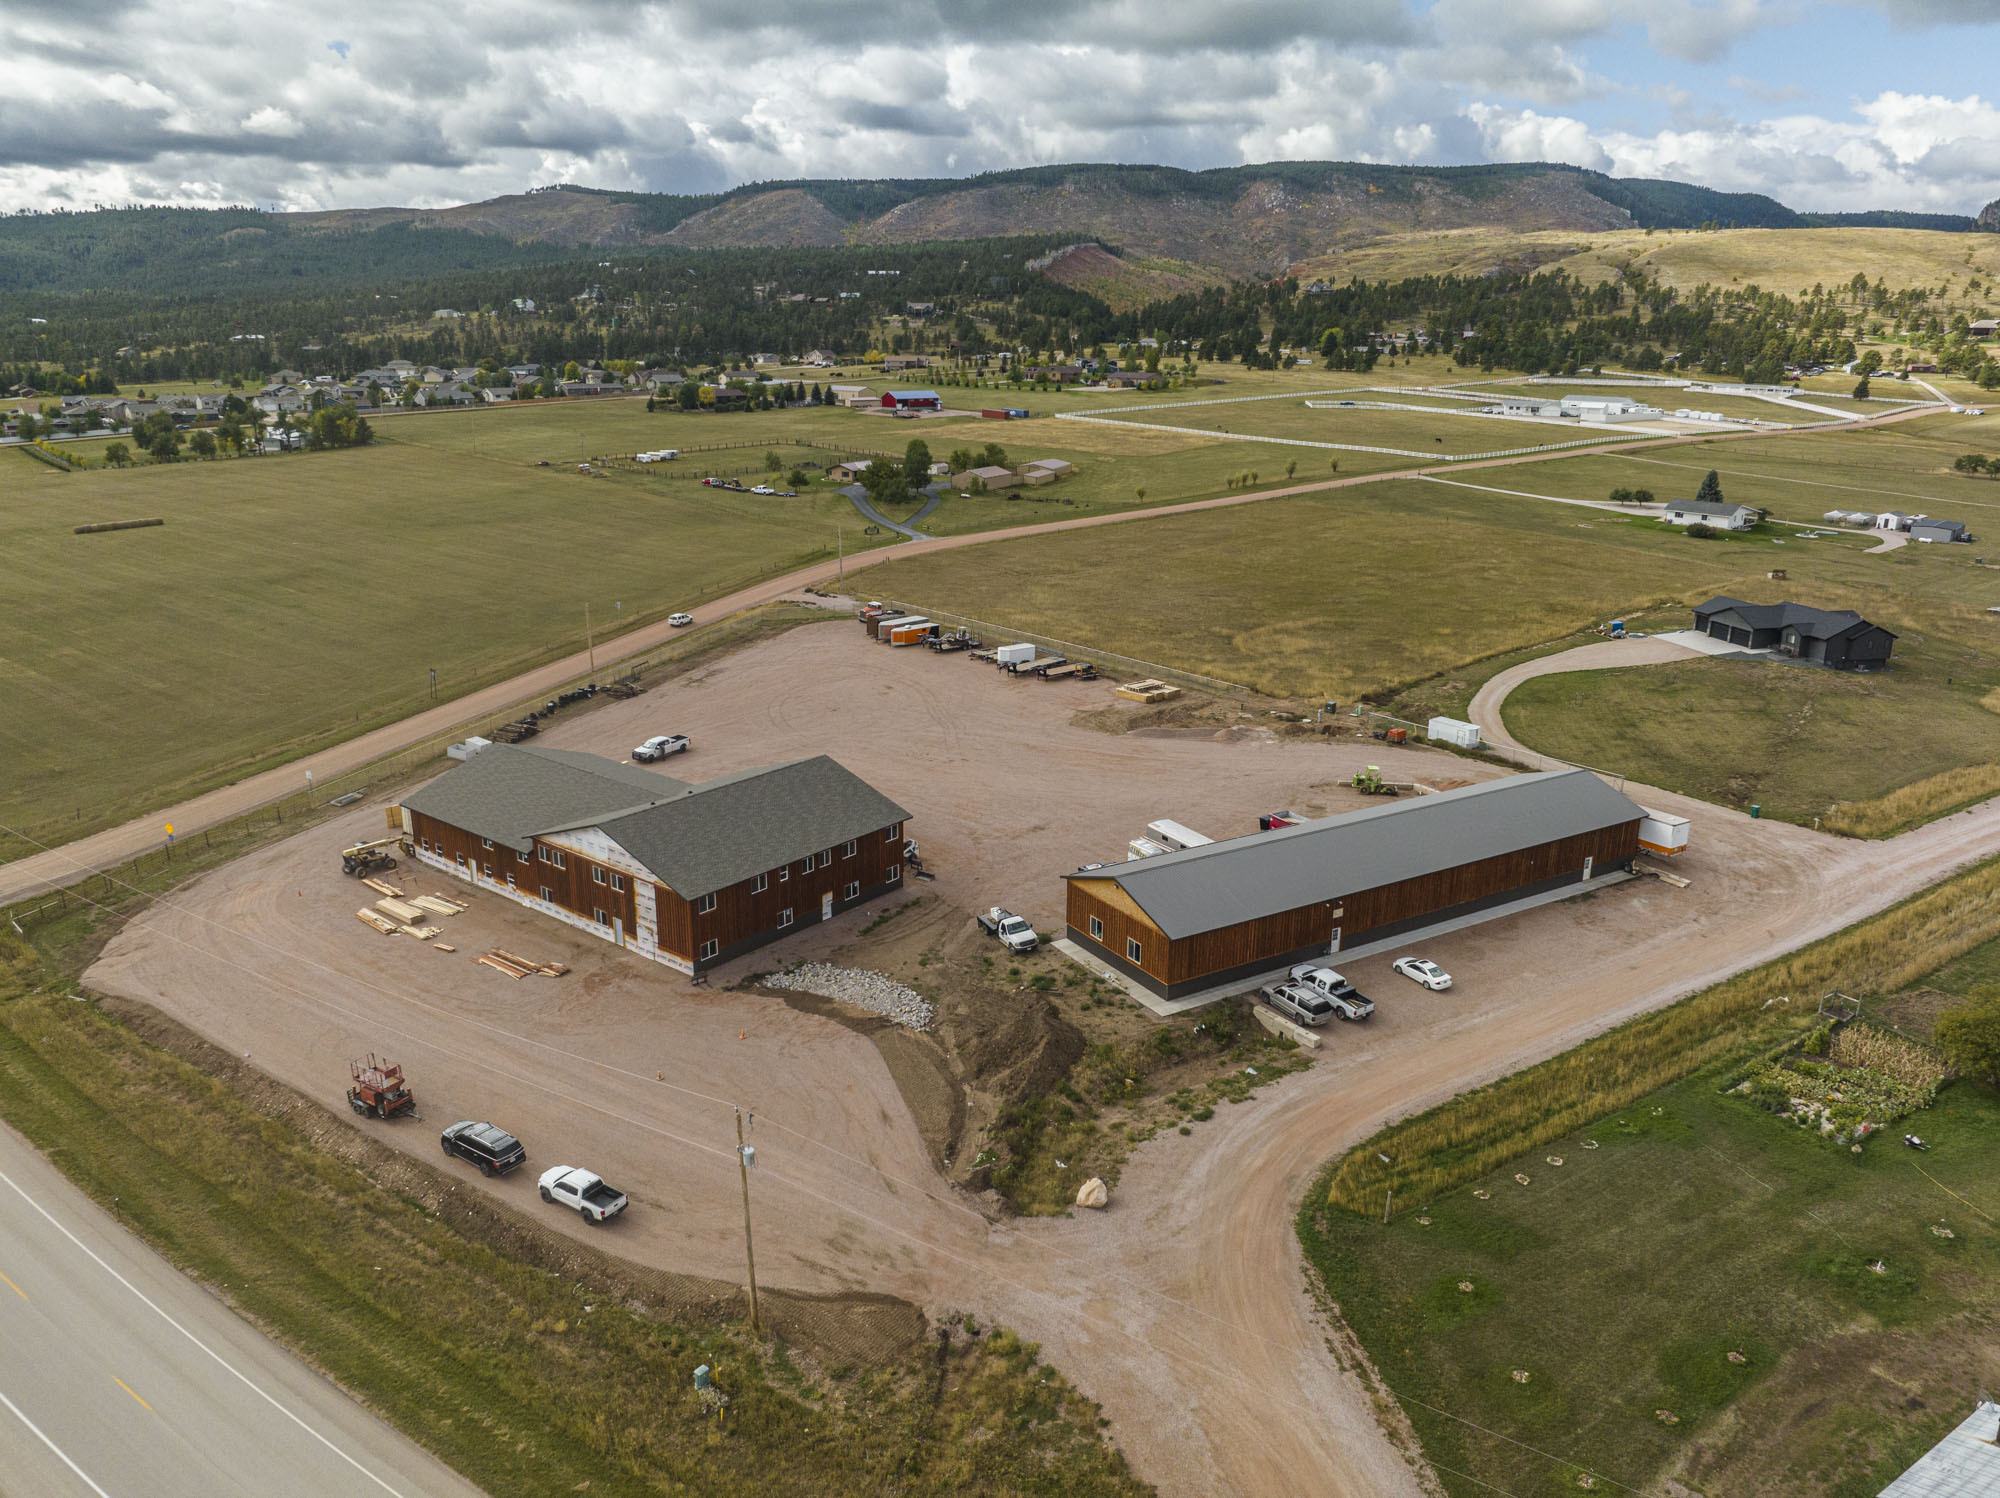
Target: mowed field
{"points": [[291, 602], [1584, 1316], [1449, 432]]}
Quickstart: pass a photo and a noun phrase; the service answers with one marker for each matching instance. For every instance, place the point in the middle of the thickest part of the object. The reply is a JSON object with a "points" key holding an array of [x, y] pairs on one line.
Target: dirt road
{"points": [[72, 861], [1183, 1309], [1604, 655]]}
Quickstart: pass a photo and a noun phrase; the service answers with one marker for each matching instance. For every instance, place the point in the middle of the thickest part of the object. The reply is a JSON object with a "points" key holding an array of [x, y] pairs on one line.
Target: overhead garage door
{"points": [[1718, 629], [1739, 637]]}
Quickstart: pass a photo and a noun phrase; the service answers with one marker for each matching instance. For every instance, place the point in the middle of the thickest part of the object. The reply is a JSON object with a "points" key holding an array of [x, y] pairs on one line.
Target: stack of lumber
{"points": [[380, 922], [402, 911], [438, 904], [1148, 691], [383, 887], [515, 966]]}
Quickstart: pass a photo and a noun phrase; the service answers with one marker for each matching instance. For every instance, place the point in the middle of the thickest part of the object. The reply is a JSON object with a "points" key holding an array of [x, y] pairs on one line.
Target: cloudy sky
{"points": [[1825, 104]]}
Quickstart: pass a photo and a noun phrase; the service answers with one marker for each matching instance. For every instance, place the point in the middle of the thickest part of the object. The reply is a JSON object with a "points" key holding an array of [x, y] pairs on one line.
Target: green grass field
{"points": [[293, 601], [1408, 431], [1791, 739], [1686, 1227]]}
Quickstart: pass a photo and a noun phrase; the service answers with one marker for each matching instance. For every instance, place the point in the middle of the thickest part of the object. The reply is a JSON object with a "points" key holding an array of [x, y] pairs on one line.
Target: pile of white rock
{"points": [[874, 992]]}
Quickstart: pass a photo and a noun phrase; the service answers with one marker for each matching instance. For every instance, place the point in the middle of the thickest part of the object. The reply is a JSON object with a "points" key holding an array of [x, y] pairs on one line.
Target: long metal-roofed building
{"points": [[1209, 916], [688, 875]]}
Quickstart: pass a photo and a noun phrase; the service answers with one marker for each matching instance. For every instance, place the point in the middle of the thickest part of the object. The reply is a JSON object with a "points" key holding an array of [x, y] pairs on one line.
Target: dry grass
{"points": [[1922, 801], [1881, 1051], [1477, 1132]]}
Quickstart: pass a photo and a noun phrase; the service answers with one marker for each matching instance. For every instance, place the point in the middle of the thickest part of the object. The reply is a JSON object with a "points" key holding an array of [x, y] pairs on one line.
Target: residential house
{"points": [[1721, 517], [1134, 379], [848, 472], [1828, 637], [495, 395], [524, 304], [991, 477], [905, 361], [818, 358]]}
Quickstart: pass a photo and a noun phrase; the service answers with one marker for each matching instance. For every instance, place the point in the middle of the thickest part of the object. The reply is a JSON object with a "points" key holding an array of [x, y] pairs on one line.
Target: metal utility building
{"points": [[1211, 915], [688, 875]]}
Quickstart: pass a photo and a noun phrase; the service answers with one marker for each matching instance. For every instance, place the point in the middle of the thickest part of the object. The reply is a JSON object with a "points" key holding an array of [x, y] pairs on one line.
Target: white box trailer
{"points": [[1014, 655], [1174, 836], [1143, 847], [1662, 832], [1453, 731]]}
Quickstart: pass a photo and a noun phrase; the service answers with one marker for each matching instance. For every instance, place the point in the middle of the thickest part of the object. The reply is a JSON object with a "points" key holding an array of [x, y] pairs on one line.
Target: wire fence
{"points": [[1075, 651]]}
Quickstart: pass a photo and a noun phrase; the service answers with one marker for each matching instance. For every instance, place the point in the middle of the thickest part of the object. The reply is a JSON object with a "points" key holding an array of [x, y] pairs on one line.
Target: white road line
{"points": [[221, 1361], [61, 1455]]}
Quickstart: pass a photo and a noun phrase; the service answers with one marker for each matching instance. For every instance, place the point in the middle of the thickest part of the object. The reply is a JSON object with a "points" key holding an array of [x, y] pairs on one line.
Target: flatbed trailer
{"points": [[1069, 671], [1035, 667]]}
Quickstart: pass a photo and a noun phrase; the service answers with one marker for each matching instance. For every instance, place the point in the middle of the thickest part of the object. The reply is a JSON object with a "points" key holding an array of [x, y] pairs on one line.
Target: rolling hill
{"points": [[1230, 221]]}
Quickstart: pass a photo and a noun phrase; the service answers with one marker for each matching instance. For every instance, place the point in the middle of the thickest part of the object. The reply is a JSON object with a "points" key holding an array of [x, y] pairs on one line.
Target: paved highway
{"points": [[122, 1378]]}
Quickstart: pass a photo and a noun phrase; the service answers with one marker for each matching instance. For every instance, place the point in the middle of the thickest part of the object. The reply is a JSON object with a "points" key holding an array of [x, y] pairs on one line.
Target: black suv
{"points": [[494, 1151]]}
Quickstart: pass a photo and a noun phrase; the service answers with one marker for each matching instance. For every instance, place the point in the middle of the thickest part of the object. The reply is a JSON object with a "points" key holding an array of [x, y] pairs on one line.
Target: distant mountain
{"points": [[1247, 220]]}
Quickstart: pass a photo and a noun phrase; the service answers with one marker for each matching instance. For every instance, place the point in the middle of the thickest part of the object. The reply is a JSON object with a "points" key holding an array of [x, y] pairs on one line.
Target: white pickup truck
{"points": [[584, 1191], [1348, 1001], [1015, 934]]}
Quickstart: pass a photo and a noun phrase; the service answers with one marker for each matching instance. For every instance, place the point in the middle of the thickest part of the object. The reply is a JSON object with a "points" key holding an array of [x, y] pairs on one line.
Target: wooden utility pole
{"points": [[589, 640], [749, 1250]]}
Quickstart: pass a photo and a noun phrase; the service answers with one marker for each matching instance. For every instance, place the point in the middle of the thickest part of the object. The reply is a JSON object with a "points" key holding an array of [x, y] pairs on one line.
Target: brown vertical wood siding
{"points": [[743, 914], [1183, 961]]}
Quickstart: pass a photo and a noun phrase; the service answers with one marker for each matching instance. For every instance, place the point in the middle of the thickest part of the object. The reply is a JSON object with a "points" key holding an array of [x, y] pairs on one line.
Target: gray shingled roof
{"points": [[1705, 507], [723, 831], [510, 792], [696, 839], [1246, 878], [1814, 624]]}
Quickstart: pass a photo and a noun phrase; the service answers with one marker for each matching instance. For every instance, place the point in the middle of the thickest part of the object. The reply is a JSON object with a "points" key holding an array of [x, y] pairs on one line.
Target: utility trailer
{"points": [[946, 644], [1067, 670], [1662, 832], [379, 1090], [1039, 667]]}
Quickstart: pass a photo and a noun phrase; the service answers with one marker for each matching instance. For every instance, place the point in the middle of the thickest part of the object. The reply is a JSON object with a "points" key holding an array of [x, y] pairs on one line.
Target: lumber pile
{"points": [[384, 887], [516, 966], [1148, 691], [401, 911], [380, 922], [437, 904]]}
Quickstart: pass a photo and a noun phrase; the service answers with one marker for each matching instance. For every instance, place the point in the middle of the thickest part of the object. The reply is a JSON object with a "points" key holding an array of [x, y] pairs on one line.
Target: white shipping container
{"points": [[1662, 832], [1014, 655], [1173, 835], [1141, 847], [1454, 731]]}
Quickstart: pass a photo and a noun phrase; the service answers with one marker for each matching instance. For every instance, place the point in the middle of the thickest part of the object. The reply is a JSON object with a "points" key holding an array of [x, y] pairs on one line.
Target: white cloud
{"points": [[431, 105]]}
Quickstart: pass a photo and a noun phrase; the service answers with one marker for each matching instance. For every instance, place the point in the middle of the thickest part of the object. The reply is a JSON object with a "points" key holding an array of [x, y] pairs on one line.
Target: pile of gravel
{"points": [[865, 990]]}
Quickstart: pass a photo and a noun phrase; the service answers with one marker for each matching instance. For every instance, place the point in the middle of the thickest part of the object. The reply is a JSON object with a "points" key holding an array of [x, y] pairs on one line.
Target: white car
{"points": [[660, 746], [680, 621], [1422, 970]]}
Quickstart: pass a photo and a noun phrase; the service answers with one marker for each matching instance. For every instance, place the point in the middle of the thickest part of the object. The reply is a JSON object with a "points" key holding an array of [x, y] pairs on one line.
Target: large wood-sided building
{"points": [[688, 875], [1185, 922]]}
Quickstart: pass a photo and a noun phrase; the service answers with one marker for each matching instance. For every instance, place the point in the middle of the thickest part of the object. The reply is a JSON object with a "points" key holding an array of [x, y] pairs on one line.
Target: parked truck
{"points": [[584, 1192], [1015, 934]]}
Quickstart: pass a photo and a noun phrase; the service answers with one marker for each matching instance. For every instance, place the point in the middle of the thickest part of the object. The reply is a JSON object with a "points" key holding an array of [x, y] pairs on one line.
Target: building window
{"points": [[759, 885], [848, 850], [427, 844], [600, 917], [510, 881], [890, 834], [1132, 949], [1096, 929], [548, 894], [521, 858], [461, 860], [486, 842], [806, 864], [487, 869], [709, 949], [895, 873], [704, 905], [784, 873], [784, 919], [853, 889], [596, 875], [618, 881]]}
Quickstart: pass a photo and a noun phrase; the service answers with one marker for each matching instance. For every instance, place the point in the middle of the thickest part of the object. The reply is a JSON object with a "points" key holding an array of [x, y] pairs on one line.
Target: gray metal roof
{"points": [[1707, 507], [696, 839], [510, 792], [1246, 878], [1965, 1464]]}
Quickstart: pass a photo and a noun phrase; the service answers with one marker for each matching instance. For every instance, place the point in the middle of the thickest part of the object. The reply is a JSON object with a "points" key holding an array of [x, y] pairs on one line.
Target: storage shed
{"points": [[1184, 922]]}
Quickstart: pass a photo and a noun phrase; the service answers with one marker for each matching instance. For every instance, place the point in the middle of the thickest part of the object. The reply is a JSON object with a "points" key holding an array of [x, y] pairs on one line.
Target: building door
{"points": [[1588, 863], [1333, 947], [826, 906], [618, 929]]}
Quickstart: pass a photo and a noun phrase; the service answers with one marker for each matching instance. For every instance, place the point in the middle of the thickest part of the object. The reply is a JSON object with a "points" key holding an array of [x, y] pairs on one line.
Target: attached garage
{"points": [[1229, 911]]}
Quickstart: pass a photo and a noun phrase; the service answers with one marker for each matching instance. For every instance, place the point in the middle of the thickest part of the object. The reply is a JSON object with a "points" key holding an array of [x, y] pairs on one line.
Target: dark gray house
{"points": [[1828, 637], [1925, 528]]}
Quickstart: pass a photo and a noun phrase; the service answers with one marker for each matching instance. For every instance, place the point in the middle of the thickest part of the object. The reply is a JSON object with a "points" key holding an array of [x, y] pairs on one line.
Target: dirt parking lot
{"points": [[1182, 1308]]}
